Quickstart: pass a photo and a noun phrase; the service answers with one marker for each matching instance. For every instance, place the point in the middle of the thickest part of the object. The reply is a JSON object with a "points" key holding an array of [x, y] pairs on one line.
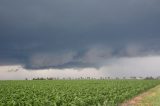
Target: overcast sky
{"points": [[94, 36]]}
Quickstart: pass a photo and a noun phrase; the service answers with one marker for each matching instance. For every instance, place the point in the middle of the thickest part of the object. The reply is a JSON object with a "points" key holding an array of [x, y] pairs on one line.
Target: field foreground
{"points": [[149, 98], [71, 92]]}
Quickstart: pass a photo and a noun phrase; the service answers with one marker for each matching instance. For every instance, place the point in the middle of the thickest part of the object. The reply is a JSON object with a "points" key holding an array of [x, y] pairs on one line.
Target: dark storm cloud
{"points": [[59, 33]]}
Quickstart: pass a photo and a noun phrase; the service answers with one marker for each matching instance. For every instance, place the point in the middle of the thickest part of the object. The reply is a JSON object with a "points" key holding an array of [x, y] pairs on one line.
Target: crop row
{"points": [[71, 92]]}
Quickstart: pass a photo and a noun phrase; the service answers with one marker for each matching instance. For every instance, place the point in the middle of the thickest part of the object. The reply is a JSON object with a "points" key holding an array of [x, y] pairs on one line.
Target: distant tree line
{"points": [[100, 78]]}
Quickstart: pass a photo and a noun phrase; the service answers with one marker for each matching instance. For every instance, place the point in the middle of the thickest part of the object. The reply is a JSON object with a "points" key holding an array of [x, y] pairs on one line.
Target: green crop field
{"points": [[71, 92]]}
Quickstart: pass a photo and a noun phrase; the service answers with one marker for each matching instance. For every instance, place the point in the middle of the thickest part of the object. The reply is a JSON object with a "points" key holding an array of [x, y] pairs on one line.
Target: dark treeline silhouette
{"points": [[100, 78], [69, 78]]}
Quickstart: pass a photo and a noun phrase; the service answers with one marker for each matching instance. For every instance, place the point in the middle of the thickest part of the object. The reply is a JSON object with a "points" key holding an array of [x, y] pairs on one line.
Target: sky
{"points": [[69, 38]]}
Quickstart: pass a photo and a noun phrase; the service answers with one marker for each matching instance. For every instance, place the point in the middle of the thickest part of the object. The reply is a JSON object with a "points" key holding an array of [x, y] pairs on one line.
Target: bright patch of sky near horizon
{"points": [[119, 67]]}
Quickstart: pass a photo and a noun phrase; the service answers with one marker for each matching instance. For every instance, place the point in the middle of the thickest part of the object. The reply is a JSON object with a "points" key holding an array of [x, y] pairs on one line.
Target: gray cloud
{"points": [[59, 34], [44, 60]]}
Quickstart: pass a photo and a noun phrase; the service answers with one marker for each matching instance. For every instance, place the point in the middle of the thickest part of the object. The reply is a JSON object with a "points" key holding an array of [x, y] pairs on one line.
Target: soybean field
{"points": [[71, 92]]}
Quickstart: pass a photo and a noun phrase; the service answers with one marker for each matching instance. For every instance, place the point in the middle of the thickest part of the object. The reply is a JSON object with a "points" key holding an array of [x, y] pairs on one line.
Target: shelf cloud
{"points": [[82, 34]]}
